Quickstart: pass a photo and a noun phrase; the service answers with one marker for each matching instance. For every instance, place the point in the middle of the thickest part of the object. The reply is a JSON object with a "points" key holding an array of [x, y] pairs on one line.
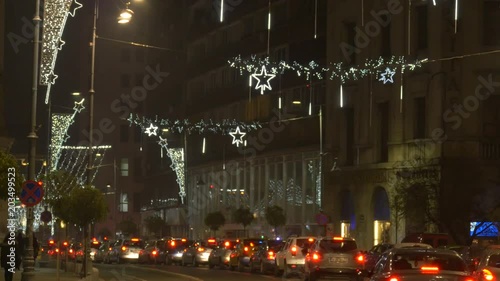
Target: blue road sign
{"points": [[31, 194]]}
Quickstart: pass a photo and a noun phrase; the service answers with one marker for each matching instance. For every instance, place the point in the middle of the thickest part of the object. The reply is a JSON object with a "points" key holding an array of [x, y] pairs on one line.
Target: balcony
{"points": [[490, 150]]}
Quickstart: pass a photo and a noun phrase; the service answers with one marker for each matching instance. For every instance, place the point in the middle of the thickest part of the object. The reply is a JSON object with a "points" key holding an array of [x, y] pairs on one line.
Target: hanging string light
{"points": [[315, 19]]}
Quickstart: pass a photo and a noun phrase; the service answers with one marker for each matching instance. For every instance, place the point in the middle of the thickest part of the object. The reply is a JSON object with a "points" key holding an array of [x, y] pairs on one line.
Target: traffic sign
{"points": [[31, 194]]}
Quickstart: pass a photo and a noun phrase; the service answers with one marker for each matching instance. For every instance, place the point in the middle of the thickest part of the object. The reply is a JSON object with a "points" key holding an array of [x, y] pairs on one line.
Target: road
{"points": [[132, 272]]}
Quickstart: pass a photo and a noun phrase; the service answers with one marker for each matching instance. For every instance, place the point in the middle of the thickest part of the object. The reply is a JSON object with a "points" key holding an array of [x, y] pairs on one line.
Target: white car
{"points": [[291, 259]]}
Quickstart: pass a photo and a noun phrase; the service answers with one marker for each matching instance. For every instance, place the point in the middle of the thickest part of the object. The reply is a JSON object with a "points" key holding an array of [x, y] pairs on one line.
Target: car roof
{"points": [[423, 250], [412, 245]]}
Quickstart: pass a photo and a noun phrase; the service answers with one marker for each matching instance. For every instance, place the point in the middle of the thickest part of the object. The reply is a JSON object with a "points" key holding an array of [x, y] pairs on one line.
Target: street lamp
{"points": [[91, 118]]}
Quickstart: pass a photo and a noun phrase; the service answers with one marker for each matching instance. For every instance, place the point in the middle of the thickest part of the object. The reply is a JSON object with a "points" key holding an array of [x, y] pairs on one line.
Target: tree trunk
{"points": [[84, 261]]}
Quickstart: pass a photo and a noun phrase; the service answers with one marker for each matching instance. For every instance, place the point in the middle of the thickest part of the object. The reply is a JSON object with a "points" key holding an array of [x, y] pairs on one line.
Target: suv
{"points": [[291, 258], [334, 257]]}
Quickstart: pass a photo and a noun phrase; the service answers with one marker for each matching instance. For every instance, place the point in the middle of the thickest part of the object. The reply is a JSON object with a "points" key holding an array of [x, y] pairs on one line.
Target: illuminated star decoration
{"points": [[77, 5], [263, 76], [237, 136], [79, 106], [387, 76], [163, 143], [151, 130]]}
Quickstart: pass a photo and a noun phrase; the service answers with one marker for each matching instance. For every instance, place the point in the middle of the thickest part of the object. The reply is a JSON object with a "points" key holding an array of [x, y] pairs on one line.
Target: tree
{"points": [[275, 217], [10, 176], [215, 220], [58, 188], [244, 217], [155, 224], [127, 227]]}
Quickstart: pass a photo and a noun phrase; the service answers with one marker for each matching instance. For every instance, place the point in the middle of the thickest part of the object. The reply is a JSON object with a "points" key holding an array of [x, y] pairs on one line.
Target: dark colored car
{"points": [[221, 254], [263, 259], [154, 252], [488, 268], [240, 256], [335, 257], [420, 264], [374, 254]]}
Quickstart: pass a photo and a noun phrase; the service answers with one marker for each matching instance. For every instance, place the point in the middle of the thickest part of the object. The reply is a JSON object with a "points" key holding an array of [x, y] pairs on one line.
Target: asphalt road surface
{"points": [[133, 272]]}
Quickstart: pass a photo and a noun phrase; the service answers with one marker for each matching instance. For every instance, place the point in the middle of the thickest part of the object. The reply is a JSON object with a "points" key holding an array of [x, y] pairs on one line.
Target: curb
{"points": [[171, 273]]}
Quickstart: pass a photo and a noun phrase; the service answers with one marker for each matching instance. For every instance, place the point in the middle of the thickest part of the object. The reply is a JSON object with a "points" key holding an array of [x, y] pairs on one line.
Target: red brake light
{"points": [[488, 275], [134, 239], [51, 242], [394, 279], [108, 248], [270, 255], [337, 238], [245, 249], [360, 258], [65, 243], [183, 239], [57, 250], [172, 243], [211, 240], [124, 248], [316, 257], [200, 249], [154, 253], [227, 244], [429, 268], [70, 251]]}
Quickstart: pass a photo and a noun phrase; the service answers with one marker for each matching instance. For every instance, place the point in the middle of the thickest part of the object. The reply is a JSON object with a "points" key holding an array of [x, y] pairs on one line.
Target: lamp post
{"points": [[29, 263]]}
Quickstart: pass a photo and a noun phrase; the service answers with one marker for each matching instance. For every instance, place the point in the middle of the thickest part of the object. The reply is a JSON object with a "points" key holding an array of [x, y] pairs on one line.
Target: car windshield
{"points": [[420, 261], [274, 244], [303, 242], [331, 246]]}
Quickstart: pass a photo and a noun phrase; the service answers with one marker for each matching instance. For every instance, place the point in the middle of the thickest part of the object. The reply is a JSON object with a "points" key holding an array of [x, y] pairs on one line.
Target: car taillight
{"points": [[393, 279], [71, 251], [488, 275], [315, 257], [270, 255], [294, 250], [201, 249], [227, 244], [429, 269], [172, 243], [110, 248], [245, 249], [57, 250], [360, 258], [124, 248], [154, 253]]}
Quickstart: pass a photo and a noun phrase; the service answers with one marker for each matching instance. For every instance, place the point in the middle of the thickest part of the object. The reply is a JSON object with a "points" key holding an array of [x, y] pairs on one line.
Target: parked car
{"points": [[221, 254], [488, 268], [175, 249], [335, 257], [291, 258], [94, 247], [240, 256], [153, 252], [263, 259], [420, 264]]}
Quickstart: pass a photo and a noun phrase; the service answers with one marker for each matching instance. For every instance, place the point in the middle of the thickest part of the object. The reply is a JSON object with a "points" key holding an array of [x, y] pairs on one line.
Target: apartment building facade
{"points": [[280, 165], [438, 123]]}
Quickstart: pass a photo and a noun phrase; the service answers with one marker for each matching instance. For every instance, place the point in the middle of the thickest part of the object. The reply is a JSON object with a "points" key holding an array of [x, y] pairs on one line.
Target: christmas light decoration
{"points": [[221, 10], [456, 16], [203, 146], [59, 126], [176, 155], [55, 15], [200, 127], [237, 136], [76, 5], [163, 143], [151, 130], [387, 76], [79, 106], [334, 70], [263, 76]]}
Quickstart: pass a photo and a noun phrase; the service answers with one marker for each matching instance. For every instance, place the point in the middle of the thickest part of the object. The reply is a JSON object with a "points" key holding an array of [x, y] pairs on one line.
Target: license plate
{"points": [[338, 260]]}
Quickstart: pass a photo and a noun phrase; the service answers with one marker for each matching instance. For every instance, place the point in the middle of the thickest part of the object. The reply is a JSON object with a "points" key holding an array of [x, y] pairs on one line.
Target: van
{"points": [[434, 239]]}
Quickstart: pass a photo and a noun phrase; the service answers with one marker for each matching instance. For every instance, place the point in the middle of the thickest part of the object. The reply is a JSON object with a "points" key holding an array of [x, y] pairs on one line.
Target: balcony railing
{"points": [[490, 150]]}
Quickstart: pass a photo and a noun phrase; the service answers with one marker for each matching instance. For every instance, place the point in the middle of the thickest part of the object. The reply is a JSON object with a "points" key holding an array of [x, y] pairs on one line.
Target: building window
{"points": [[350, 35], [125, 80], [125, 55], [422, 26], [123, 207], [349, 136], [124, 133], [124, 167], [419, 118], [491, 22], [383, 132]]}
